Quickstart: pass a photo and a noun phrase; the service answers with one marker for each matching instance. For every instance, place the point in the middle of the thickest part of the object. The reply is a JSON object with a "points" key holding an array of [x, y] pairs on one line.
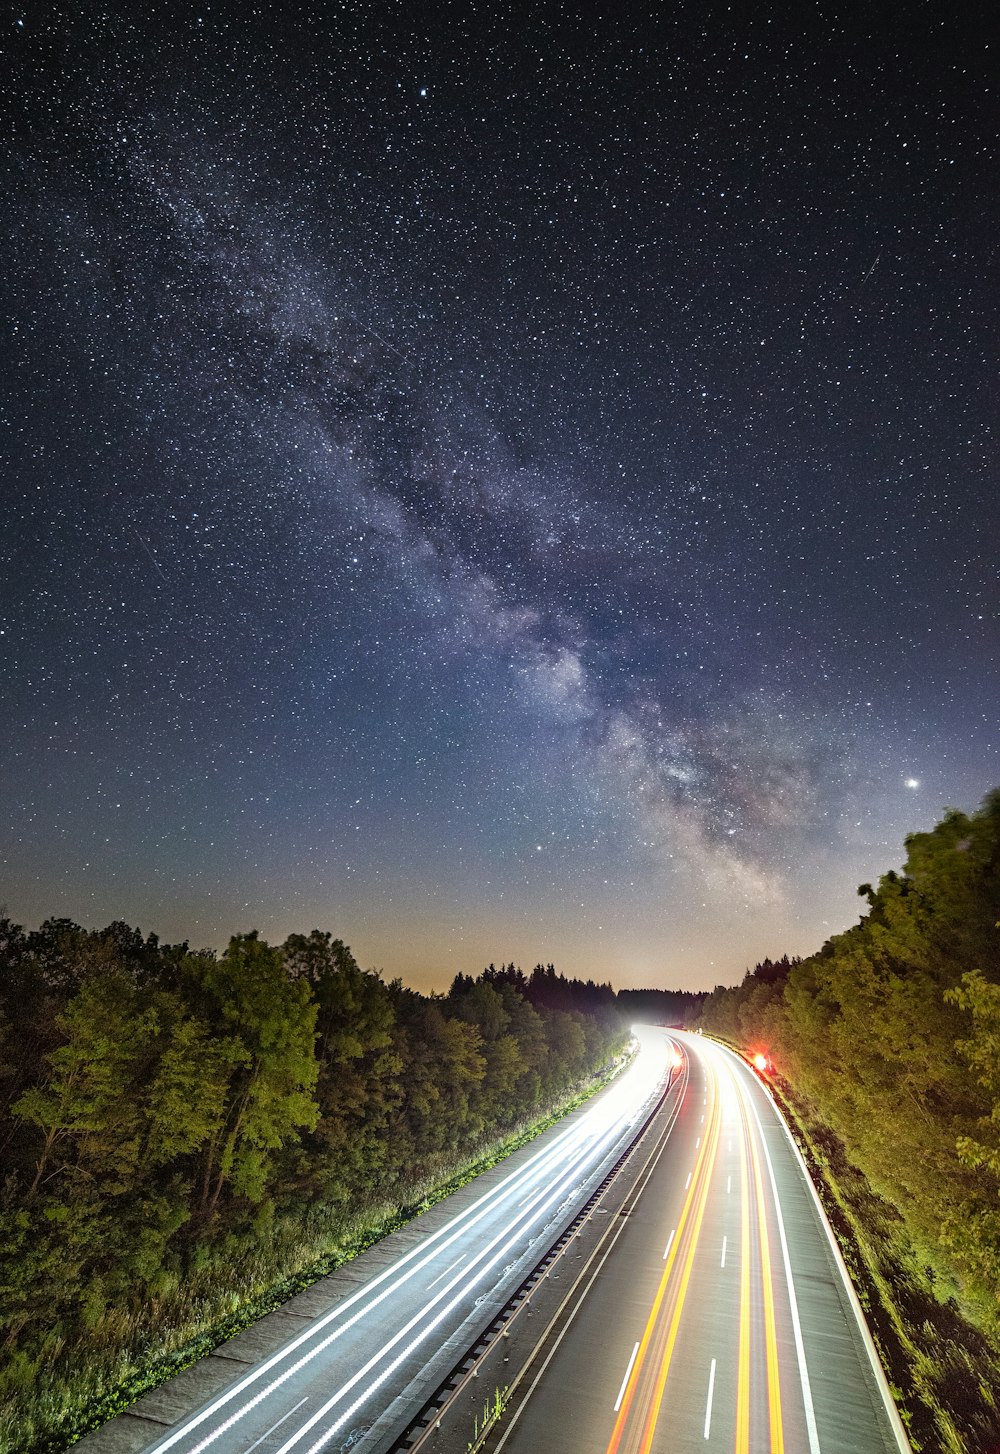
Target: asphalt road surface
{"points": [[354, 1371], [722, 1319]]}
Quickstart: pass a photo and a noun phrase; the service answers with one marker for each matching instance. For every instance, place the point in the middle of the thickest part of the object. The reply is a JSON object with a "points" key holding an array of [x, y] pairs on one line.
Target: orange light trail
{"points": [[743, 1364], [661, 1380], [777, 1443], [688, 1229]]}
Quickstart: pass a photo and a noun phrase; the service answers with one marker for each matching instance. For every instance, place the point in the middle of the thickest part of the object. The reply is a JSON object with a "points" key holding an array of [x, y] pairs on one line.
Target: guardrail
{"points": [[418, 1434]]}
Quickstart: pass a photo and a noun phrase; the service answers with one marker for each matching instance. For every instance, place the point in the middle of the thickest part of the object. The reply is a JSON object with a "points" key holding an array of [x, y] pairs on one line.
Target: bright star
{"points": [[913, 782]]}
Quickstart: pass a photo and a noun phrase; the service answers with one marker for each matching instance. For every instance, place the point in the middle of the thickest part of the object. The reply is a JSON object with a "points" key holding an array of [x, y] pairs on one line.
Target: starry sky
{"points": [[494, 481]]}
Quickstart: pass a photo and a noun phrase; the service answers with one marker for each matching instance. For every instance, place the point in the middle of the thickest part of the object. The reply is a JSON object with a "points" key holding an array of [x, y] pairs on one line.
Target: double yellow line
{"points": [[686, 1236]]}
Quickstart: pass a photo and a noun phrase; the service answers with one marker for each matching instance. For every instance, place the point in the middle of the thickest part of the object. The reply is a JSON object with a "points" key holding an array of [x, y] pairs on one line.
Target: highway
{"points": [[354, 1374], [718, 1317]]}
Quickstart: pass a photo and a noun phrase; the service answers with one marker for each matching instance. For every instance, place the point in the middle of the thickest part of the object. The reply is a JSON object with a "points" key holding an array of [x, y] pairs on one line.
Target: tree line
{"points": [[180, 1130], [660, 1007], [891, 1035]]}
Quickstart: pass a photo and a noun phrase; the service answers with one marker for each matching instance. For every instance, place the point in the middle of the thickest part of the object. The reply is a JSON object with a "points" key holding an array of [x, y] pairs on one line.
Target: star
{"points": [[408, 482]]}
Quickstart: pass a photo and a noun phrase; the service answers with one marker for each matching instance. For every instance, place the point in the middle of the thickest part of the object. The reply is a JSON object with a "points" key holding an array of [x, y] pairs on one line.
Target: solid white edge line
{"points": [[708, 1404], [278, 1425], [892, 1412], [611, 1134], [621, 1391], [450, 1231], [670, 1243], [800, 1349], [594, 1276]]}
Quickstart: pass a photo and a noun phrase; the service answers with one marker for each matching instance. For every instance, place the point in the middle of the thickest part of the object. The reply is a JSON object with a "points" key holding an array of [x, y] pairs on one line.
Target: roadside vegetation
{"points": [[886, 1046], [188, 1138]]}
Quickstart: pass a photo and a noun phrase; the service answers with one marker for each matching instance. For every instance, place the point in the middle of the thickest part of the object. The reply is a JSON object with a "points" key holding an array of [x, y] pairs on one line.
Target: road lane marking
{"points": [[697, 1143], [571, 1142], [641, 1184], [486, 1263], [708, 1405], [743, 1363], [446, 1272], [547, 1201], [654, 1312], [612, 1130], [451, 1232], [621, 1391], [724, 1241], [688, 1182], [278, 1425], [800, 1351], [754, 1090], [777, 1444], [587, 1141], [670, 1243], [702, 1195]]}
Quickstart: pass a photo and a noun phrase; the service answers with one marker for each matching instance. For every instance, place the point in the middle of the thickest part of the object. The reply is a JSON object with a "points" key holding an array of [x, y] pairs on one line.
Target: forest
{"points": [[887, 1042], [188, 1136]]}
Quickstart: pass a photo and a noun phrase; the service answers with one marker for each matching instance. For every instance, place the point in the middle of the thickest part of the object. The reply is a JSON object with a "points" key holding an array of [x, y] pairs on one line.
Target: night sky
{"points": [[494, 481]]}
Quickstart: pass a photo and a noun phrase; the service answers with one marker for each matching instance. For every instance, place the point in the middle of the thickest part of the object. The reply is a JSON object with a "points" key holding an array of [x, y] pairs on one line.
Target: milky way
{"points": [[493, 485]]}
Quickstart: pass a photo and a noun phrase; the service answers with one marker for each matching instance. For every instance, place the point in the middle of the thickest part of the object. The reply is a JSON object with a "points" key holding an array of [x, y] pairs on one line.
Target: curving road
{"points": [[701, 1305], [360, 1351], [721, 1317]]}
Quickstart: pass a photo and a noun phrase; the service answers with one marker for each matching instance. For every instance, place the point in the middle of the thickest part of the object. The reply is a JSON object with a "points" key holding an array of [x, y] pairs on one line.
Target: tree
{"points": [[270, 1019], [972, 1230], [86, 1107], [358, 1086]]}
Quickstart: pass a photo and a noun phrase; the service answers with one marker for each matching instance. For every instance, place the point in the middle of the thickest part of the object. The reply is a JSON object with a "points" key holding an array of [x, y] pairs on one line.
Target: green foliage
{"points": [[268, 1019], [890, 1036], [187, 1138], [982, 1052], [660, 1007]]}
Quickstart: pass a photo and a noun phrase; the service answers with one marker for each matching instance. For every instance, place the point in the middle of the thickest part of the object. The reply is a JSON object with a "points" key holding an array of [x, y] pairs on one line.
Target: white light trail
{"points": [[575, 1152]]}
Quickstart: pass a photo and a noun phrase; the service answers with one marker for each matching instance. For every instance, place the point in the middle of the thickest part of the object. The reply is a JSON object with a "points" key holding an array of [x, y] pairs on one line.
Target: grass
{"points": [[50, 1401], [941, 1366]]}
